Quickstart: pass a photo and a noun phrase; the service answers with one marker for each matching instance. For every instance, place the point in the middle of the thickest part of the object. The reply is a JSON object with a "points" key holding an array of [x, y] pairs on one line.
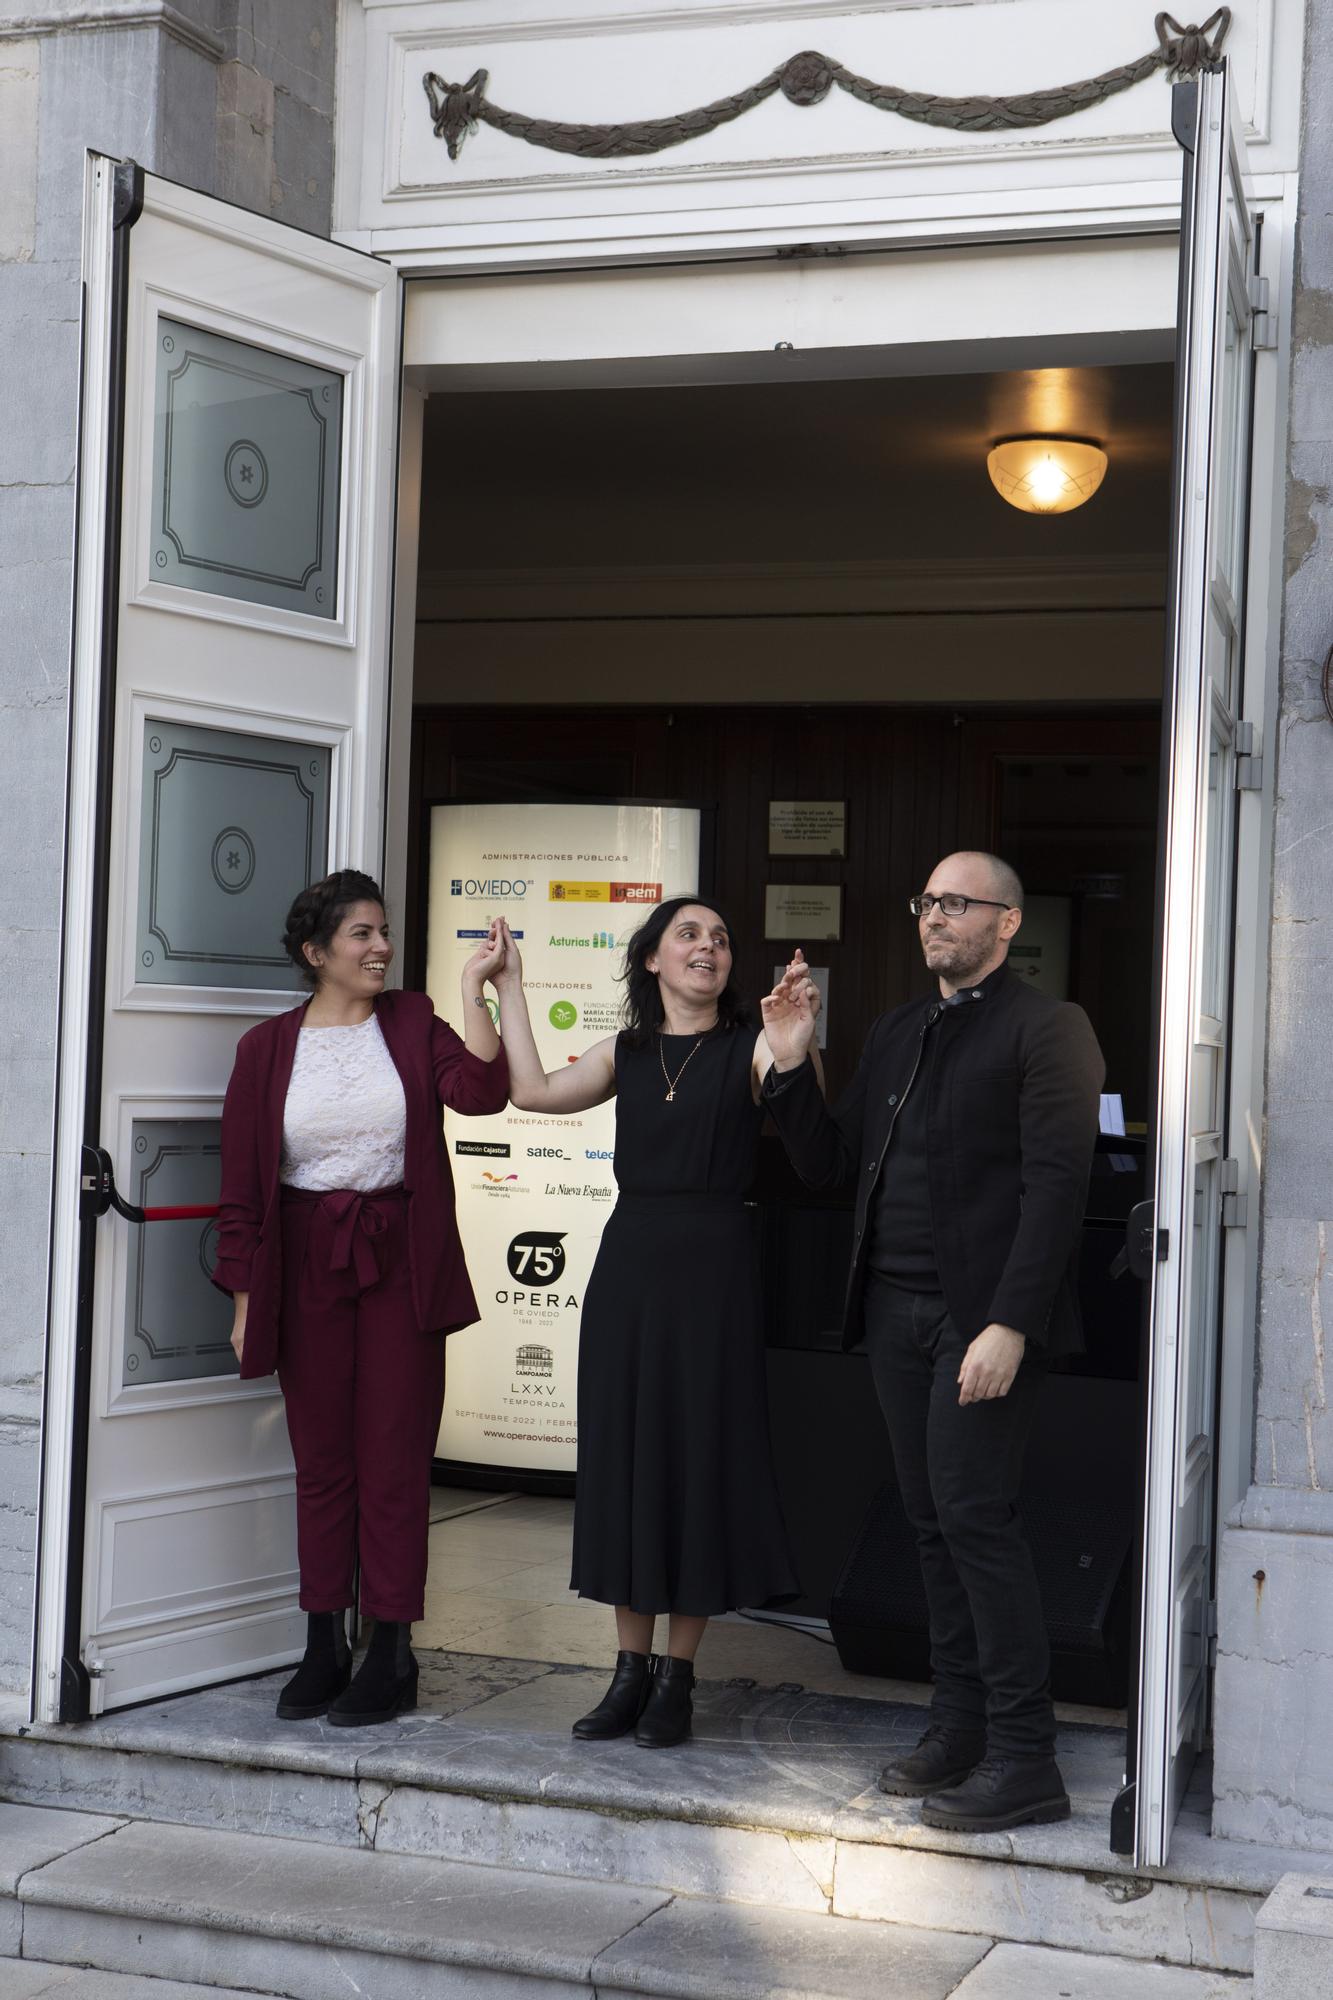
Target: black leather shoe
{"points": [[668, 1709], [622, 1704], [385, 1683], [942, 1758], [1001, 1792], [324, 1671]]}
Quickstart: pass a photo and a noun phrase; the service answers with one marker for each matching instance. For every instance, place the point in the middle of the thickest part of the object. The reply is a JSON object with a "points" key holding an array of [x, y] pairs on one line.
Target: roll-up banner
{"points": [[573, 882]]}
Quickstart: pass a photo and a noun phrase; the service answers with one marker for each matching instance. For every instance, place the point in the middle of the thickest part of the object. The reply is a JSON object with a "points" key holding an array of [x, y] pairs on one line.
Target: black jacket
{"points": [[1013, 1080]]}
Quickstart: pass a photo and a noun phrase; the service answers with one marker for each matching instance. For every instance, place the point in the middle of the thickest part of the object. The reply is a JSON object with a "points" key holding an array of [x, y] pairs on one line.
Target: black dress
{"points": [[677, 1506]]}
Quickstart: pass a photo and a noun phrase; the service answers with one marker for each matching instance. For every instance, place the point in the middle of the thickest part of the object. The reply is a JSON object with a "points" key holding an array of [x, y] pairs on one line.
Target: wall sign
{"points": [[573, 882], [803, 911], [815, 827]]}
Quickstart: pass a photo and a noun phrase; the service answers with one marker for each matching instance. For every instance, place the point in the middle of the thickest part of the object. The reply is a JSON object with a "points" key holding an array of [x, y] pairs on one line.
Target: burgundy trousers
{"points": [[364, 1389]]}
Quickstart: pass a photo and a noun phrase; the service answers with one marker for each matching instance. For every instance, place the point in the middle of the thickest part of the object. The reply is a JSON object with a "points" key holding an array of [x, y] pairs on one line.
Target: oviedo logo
{"points": [[495, 885], [563, 1014], [537, 1257]]}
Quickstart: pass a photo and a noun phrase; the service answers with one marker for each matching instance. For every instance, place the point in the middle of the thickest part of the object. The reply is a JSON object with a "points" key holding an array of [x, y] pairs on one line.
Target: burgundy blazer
{"points": [[436, 1069]]}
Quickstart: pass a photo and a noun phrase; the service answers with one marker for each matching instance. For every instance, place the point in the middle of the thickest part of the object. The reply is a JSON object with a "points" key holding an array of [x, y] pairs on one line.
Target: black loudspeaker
{"points": [[1081, 1548]]}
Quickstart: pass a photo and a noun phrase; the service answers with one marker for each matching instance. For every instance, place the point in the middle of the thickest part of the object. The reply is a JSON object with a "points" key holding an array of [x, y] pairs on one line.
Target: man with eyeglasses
{"points": [[970, 1127]]}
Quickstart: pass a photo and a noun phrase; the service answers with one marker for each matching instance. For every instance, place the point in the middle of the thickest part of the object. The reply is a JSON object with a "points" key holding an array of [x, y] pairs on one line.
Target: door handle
{"points": [[1142, 1247], [98, 1192]]}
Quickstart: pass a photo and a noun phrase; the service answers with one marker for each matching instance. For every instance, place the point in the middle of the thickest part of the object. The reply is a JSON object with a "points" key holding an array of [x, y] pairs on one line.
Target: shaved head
{"points": [[1005, 885], [967, 948]]}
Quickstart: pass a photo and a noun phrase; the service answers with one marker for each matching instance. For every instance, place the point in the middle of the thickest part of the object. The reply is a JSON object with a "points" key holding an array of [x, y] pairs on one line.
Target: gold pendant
{"points": [[671, 1097]]}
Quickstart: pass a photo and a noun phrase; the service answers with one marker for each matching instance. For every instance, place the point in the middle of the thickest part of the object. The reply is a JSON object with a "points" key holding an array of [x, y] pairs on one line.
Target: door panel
{"points": [[243, 751], [1214, 388]]}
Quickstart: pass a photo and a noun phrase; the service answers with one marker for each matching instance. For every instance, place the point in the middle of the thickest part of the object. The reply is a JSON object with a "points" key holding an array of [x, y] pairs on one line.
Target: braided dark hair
{"points": [[317, 912], [642, 1012]]}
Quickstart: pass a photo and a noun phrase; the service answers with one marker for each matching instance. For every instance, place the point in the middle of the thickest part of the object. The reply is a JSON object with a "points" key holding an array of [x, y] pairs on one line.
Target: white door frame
{"points": [[1274, 203]]}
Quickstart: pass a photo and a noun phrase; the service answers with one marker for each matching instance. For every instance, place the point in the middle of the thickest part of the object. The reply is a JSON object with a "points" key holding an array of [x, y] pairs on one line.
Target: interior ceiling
{"points": [[835, 471]]}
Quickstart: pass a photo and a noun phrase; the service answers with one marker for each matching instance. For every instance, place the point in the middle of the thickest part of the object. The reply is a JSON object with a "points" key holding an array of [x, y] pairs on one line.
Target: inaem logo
{"points": [[537, 1256], [563, 1014]]}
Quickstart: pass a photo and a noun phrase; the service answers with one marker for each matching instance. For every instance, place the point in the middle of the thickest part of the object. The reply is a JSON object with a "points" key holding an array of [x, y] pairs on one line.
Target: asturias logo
{"points": [[599, 941]]}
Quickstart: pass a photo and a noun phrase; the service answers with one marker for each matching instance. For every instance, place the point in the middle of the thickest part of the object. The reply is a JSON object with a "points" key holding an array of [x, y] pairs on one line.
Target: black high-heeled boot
{"points": [[668, 1709], [622, 1704], [324, 1671], [385, 1683]]}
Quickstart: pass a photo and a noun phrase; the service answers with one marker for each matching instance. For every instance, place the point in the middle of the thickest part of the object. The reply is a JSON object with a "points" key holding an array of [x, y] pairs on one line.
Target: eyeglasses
{"points": [[952, 906]]}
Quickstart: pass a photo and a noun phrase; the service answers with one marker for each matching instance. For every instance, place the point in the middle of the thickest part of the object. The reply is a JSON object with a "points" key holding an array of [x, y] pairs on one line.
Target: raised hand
{"points": [[487, 961], [509, 973], [789, 1013]]}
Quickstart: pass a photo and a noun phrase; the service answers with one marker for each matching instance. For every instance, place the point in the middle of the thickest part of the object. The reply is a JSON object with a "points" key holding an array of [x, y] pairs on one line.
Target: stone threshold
{"points": [[773, 1802]]}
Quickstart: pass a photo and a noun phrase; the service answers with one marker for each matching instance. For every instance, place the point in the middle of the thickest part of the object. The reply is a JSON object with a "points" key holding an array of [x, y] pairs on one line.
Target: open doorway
{"points": [[752, 592]]}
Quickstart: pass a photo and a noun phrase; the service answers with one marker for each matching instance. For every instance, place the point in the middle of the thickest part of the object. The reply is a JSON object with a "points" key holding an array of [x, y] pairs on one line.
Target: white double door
{"points": [[228, 743], [229, 702]]}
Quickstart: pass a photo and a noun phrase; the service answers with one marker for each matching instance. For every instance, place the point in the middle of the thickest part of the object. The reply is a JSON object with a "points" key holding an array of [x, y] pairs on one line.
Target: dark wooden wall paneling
{"points": [[918, 783]]}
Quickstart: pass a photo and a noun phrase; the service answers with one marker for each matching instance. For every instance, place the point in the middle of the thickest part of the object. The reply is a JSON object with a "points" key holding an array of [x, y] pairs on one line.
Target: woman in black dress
{"points": [[677, 1507]]}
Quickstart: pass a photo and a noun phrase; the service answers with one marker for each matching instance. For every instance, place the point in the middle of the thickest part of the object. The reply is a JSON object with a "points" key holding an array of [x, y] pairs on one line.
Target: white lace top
{"points": [[345, 1120]]}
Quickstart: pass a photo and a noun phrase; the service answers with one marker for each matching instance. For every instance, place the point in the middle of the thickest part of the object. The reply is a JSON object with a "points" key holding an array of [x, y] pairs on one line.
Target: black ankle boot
{"points": [[323, 1673], [622, 1704], [667, 1711], [384, 1684]]}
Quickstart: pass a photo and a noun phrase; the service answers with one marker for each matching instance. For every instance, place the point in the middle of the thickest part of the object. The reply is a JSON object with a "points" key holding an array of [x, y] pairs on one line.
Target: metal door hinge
{"points": [[1249, 759], [1235, 1206], [1263, 322]]}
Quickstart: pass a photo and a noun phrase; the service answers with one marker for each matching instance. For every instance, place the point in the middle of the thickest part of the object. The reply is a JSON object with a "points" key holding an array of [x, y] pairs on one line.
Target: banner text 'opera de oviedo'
{"points": [[573, 882]]}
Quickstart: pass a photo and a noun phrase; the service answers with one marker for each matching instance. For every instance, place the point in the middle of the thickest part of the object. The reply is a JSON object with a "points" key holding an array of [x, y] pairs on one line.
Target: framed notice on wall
{"points": [[803, 911], [572, 882], [813, 827]]}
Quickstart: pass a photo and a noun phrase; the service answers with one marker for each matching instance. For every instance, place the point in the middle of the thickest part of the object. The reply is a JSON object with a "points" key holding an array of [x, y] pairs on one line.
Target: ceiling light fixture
{"points": [[1046, 475]]}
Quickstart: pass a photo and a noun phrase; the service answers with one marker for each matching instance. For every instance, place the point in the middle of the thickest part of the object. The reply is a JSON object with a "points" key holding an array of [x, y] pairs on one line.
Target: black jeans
{"points": [[958, 1473]]}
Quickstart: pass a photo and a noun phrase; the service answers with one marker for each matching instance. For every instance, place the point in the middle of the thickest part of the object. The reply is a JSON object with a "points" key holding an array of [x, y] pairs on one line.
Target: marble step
{"points": [[250, 1913], [773, 1804]]}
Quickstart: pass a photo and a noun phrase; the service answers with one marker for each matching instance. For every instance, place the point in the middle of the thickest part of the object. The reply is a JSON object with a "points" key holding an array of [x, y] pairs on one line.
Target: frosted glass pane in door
{"points": [[232, 828], [177, 1323], [246, 467]]}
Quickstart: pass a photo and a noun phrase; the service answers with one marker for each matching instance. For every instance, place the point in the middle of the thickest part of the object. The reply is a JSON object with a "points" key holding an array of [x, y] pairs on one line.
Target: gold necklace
{"points": [[672, 1081]]}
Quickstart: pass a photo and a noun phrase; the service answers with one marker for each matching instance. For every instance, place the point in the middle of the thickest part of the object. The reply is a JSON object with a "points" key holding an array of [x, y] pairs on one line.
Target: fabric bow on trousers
{"points": [[364, 1390]]}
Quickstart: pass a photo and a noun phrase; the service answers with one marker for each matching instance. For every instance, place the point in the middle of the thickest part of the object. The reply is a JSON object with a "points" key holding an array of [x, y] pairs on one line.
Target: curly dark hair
{"points": [[317, 912], [642, 1012]]}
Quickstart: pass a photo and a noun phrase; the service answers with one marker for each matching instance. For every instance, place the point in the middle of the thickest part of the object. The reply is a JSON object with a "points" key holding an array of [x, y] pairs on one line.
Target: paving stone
{"points": [[149, 1784], [1074, 1907], [1293, 1940], [719, 1951], [30, 1836], [25, 1980], [180, 1880], [1033, 1972], [786, 1871]]}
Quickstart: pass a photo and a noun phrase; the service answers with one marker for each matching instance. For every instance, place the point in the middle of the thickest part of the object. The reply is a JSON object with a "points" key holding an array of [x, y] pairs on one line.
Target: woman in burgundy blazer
{"points": [[338, 1242]]}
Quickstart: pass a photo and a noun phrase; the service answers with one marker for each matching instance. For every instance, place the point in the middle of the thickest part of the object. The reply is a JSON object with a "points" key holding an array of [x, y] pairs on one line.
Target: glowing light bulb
{"points": [[1046, 475]]}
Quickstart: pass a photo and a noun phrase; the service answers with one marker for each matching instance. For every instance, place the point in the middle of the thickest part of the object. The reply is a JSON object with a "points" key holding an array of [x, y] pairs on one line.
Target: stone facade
{"points": [[234, 97], [1274, 1755]]}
